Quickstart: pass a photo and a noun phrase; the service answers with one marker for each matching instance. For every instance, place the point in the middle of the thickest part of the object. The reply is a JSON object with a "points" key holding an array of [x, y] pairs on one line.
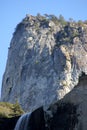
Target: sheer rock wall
{"points": [[45, 60]]}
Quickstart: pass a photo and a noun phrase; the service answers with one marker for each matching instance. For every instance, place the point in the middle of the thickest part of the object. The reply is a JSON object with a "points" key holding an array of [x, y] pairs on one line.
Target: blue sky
{"points": [[13, 11]]}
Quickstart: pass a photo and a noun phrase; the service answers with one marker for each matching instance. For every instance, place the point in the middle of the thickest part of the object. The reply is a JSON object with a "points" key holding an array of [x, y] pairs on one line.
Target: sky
{"points": [[13, 11]]}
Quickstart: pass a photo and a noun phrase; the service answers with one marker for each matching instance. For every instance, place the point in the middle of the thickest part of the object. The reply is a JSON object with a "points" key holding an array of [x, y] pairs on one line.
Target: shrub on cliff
{"points": [[10, 110]]}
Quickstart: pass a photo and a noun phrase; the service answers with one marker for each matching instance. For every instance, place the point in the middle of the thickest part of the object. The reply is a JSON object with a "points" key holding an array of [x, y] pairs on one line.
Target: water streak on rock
{"points": [[23, 121]]}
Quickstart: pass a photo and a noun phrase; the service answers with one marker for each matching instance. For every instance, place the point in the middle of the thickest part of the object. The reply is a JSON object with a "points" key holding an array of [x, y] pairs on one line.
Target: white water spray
{"points": [[22, 123]]}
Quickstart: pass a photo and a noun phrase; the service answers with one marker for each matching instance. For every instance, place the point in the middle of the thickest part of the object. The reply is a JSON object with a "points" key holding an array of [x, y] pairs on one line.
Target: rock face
{"points": [[69, 113], [46, 57], [64, 118]]}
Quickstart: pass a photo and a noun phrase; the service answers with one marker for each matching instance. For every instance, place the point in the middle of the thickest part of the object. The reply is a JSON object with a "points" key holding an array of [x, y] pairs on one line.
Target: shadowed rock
{"points": [[8, 123]]}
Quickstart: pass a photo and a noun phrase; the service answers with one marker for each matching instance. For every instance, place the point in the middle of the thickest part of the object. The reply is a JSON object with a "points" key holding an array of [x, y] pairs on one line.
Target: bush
{"points": [[10, 110]]}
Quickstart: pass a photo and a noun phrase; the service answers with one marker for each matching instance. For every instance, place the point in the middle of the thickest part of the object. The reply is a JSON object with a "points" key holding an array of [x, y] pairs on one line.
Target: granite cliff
{"points": [[46, 58]]}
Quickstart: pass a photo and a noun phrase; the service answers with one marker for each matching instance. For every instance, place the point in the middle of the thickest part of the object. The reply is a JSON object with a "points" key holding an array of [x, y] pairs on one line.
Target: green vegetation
{"points": [[56, 20], [68, 29], [67, 34], [10, 110], [62, 20]]}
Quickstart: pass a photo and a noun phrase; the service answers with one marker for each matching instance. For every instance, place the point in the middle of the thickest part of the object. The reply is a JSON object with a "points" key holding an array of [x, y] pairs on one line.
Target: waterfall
{"points": [[22, 123]]}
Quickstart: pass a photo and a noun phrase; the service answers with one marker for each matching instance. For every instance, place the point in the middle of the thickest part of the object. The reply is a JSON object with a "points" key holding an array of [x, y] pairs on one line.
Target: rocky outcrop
{"points": [[46, 57], [70, 112], [64, 118]]}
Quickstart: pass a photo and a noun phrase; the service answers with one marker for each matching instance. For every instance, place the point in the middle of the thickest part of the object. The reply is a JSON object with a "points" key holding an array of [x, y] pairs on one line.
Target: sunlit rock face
{"points": [[45, 59]]}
